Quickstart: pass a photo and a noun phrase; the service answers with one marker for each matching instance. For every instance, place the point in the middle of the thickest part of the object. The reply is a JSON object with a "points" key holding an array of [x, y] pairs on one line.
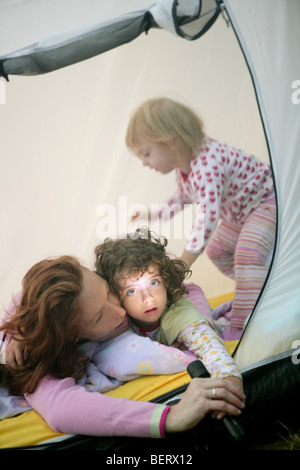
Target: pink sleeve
{"points": [[70, 408]]}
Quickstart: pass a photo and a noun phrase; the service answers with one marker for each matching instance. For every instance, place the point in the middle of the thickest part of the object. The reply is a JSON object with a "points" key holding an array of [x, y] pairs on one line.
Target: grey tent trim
{"points": [[37, 59]]}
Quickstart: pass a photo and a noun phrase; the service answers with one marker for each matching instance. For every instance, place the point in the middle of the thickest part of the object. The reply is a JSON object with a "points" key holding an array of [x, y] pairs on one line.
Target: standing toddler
{"points": [[233, 191]]}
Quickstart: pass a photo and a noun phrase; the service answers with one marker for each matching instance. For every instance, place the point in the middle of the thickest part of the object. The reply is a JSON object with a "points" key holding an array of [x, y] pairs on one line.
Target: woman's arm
{"points": [[70, 408]]}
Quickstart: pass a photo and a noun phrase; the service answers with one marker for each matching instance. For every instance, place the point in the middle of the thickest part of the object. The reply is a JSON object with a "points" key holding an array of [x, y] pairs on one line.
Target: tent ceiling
{"points": [[39, 36], [29, 22]]}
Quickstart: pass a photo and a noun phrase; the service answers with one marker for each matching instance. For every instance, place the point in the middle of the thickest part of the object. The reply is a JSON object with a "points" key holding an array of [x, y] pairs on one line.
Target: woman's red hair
{"points": [[46, 324]]}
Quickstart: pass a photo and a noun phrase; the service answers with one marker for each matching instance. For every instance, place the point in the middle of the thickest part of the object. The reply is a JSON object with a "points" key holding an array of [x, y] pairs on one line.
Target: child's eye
{"points": [[131, 291], [154, 283]]}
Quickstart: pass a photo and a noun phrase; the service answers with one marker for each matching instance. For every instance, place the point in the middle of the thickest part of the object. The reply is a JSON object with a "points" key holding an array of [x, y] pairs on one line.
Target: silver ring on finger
{"points": [[214, 394]]}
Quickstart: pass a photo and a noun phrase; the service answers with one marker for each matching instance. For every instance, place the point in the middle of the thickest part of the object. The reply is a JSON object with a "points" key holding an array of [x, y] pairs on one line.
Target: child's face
{"points": [[158, 157], [144, 297]]}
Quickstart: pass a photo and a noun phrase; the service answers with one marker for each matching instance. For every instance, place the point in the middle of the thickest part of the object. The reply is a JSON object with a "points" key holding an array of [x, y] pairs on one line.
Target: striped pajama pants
{"points": [[243, 253]]}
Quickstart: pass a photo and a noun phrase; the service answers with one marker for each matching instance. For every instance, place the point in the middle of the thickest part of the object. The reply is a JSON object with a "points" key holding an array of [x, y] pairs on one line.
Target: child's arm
{"points": [[202, 340], [173, 204], [189, 258], [165, 210]]}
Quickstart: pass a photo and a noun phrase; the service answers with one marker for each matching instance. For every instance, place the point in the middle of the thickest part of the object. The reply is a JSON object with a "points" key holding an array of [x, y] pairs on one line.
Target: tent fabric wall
{"points": [[271, 44], [62, 145]]}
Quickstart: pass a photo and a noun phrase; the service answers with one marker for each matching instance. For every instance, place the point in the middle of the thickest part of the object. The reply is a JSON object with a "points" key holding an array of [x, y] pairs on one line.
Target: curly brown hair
{"points": [[133, 254], [46, 323]]}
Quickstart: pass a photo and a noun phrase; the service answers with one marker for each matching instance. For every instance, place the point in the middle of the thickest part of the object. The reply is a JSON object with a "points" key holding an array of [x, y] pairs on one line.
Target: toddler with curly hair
{"points": [[149, 284]]}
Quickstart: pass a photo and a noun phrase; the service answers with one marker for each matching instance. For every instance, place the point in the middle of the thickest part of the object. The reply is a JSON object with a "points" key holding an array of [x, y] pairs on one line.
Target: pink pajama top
{"points": [[225, 183]]}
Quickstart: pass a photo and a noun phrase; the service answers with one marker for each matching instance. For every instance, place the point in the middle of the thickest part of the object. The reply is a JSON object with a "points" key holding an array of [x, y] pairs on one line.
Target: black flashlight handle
{"points": [[198, 369]]}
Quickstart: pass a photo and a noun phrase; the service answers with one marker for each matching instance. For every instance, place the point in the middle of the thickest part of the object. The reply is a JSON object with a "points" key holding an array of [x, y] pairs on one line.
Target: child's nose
{"points": [[147, 297]]}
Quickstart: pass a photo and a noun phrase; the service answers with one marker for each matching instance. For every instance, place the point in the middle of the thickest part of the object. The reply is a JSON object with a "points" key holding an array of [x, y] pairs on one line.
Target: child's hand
{"points": [[236, 381], [146, 216], [15, 354], [179, 345], [135, 216]]}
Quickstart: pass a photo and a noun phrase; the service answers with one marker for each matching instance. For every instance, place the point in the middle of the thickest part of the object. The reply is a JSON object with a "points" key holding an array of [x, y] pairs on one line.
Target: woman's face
{"points": [[101, 316]]}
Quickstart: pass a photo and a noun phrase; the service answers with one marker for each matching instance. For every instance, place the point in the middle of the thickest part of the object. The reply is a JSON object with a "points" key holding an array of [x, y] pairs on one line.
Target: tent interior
{"points": [[65, 165]]}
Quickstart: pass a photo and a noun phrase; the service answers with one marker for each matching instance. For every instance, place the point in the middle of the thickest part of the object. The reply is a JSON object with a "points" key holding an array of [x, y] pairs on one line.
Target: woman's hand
{"points": [[15, 354], [204, 396]]}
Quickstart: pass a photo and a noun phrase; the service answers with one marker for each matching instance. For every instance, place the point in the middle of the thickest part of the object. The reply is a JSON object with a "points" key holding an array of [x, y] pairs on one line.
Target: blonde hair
{"points": [[168, 122]]}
